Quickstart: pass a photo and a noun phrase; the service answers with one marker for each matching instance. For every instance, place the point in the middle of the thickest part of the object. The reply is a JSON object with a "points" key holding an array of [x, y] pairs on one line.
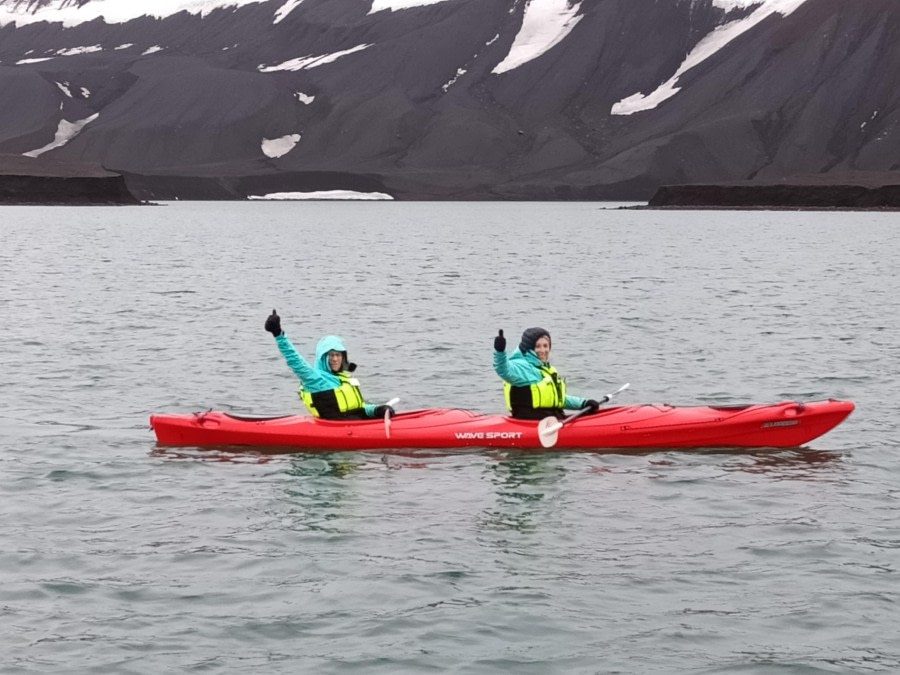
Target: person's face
{"points": [[335, 361], [542, 349]]}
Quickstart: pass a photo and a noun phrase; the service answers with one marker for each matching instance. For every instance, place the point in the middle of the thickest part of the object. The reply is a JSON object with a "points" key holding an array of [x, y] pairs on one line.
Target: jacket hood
{"points": [[530, 338], [330, 343]]}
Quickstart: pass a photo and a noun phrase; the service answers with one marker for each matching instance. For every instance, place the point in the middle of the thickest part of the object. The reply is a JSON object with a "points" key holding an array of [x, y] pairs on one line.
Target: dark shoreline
{"points": [[62, 191], [852, 196], [47, 182], [26, 181]]}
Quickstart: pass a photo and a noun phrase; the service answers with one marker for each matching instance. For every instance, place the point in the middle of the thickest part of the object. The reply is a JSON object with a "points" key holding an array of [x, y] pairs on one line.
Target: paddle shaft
{"points": [[548, 429], [575, 415], [606, 399]]}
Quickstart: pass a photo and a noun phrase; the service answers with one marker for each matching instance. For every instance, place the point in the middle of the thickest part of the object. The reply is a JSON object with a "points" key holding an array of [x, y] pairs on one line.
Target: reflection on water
{"points": [[521, 483], [517, 468], [336, 466], [321, 495], [796, 463], [244, 456]]}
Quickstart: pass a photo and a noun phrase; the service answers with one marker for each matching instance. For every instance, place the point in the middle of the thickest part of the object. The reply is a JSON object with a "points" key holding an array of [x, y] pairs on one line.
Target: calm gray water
{"points": [[121, 557]]}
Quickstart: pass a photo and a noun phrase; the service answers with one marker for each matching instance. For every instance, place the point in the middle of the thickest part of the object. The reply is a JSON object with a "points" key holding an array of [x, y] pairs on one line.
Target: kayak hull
{"points": [[785, 424]]}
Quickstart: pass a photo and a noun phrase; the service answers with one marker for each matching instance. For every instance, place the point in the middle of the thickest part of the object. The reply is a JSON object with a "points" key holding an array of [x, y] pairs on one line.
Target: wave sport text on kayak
{"points": [[785, 424]]}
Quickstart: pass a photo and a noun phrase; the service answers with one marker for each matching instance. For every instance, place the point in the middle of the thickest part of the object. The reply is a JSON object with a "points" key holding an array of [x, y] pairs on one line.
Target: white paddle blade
{"points": [[548, 431], [387, 417]]}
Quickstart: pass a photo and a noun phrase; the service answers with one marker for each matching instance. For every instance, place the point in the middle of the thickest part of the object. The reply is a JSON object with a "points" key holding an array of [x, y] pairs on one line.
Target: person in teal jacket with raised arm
{"points": [[533, 388], [329, 389]]}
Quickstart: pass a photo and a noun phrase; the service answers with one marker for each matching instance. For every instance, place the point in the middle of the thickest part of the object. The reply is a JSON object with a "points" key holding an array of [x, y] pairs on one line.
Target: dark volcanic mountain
{"points": [[451, 98]]}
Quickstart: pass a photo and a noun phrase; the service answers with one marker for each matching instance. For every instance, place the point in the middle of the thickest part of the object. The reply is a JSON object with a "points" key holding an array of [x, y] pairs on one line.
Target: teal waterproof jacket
{"points": [[523, 370], [320, 377]]}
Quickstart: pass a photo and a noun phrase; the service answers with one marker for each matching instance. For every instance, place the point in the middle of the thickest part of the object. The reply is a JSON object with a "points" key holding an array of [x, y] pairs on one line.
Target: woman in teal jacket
{"points": [[329, 389], [533, 388]]}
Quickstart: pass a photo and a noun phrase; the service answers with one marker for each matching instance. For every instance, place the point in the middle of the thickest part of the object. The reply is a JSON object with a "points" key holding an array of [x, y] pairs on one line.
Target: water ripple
{"points": [[120, 556]]}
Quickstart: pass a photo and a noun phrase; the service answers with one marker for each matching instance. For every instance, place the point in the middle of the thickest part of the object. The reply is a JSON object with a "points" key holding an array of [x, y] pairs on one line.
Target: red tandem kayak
{"points": [[786, 424]]}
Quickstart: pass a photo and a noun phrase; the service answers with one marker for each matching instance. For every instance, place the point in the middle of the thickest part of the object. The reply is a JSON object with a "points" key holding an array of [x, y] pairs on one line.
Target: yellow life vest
{"points": [[335, 403], [539, 399]]}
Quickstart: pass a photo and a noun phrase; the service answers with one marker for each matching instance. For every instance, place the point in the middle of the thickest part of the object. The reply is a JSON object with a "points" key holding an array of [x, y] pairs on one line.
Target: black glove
{"points": [[500, 342], [592, 404], [273, 324], [382, 409]]}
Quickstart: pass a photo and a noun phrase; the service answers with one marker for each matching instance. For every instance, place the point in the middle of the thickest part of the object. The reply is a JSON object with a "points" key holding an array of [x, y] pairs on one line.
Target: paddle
{"points": [[548, 428], [387, 417]]}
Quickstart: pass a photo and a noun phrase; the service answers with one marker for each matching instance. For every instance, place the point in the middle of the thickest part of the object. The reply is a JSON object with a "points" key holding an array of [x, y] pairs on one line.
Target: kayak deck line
{"points": [[784, 424]]}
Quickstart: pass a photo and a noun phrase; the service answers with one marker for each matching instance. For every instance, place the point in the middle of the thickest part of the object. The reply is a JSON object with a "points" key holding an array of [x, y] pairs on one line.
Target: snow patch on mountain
{"points": [[394, 5], [152, 50], [111, 11], [279, 147], [65, 88], [709, 45], [65, 132], [545, 24], [459, 73], [322, 194], [738, 4], [307, 62], [68, 51], [862, 127], [73, 51], [304, 98], [286, 9]]}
